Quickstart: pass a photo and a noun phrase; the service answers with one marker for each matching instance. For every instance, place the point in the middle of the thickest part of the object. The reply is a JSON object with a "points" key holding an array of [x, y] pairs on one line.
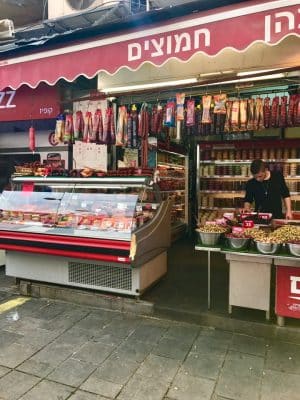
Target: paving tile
{"points": [[172, 348], [15, 354], [65, 320], [15, 384], [239, 387], [55, 353], [99, 386], [51, 310], [148, 333], [159, 367], [241, 376], [4, 371], [34, 367], [38, 337], [93, 352], [121, 328], [248, 344], [203, 365], [280, 386], [134, 350], [94, 322], [212, 338], [48, 390], [283, 357], [81, 395], [187, 387], [183, 333], [141, 387], [72, 372], [241, 364], [7, 338], [116, 369], [23, 325]]}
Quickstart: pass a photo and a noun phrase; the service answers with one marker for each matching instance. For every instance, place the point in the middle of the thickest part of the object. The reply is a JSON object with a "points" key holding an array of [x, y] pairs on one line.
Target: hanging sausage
{"points": [[267, 112], [31, 144], [88, 127], [69, 130]]}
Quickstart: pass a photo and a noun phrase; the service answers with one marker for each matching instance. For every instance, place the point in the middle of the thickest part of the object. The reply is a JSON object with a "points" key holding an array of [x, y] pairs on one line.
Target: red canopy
{"points": [[235, 27]]}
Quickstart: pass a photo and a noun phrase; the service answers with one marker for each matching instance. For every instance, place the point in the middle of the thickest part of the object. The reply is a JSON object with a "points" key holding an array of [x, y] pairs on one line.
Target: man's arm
{"points": [[288, 208]]}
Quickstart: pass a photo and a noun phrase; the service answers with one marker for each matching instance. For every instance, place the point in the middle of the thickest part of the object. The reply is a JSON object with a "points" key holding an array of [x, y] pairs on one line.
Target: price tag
{"points": [[248, 224]]}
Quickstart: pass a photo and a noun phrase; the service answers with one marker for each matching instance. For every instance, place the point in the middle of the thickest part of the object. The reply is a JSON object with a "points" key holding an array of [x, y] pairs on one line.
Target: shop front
{"points": [[213, 95]]}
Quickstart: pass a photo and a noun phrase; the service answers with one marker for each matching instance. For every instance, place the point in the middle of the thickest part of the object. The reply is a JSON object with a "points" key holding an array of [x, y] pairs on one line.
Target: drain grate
{"points": [[100, 275]]}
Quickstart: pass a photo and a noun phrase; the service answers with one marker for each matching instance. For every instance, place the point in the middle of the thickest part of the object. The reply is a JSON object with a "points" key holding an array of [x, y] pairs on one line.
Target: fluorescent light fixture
{"points": [[262, 71], [251, 79], [129, 88]]}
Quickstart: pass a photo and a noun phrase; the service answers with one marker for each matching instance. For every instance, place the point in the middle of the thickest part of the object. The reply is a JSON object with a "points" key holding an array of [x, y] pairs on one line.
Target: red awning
{"points": [[208, 33]]}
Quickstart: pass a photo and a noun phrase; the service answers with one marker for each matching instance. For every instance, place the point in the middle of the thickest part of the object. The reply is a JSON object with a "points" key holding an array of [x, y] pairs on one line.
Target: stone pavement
{"points": [[51, 350]]}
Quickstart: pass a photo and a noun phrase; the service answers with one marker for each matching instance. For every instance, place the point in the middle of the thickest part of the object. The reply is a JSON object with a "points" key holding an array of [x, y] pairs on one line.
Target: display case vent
{"points": [[100, 276]]}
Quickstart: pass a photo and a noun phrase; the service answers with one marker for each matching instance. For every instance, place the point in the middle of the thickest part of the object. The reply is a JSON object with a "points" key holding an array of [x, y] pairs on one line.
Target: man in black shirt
{"points": [[267, 189]]}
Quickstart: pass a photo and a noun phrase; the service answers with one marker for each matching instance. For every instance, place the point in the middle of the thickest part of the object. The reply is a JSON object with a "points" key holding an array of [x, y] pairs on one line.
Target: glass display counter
{"points": [[103, 233]]}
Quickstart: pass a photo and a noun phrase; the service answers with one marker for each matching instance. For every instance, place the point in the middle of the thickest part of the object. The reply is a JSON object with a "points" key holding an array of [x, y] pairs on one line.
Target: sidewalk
{"points": [[53, 350]]}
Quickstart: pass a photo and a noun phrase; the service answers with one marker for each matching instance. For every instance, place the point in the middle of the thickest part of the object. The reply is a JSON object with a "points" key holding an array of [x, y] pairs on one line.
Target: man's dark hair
{"points": [[257, 166]]}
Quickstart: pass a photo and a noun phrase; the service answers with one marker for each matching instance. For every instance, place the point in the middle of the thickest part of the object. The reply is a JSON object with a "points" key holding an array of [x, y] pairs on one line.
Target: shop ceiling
{"points": [[210, 43]]}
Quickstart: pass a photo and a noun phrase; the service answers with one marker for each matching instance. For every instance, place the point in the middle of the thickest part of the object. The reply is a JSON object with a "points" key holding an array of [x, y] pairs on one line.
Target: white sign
{"points": [[90, 155]]}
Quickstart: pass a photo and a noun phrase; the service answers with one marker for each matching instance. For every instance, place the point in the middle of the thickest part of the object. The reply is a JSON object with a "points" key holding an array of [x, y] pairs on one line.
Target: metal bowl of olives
{"points": [[210, 234], [238, 243], [267, 247], [294, 249]]}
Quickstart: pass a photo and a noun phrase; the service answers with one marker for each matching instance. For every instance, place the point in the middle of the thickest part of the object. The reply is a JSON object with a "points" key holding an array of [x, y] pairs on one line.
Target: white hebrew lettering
{"points": [[183, 37], [158, 47], [134, 51], [197, 35]]}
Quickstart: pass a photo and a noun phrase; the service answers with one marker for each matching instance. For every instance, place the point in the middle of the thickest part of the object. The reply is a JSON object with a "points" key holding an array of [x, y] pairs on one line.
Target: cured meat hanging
{"points": [[31, 144], [267, 112], [243, 114], [283, 112], [219, 112], [227, 127], [97, 126], [275, 112], [258, 114], [235, 115], [69, 129], [143, 133], [78, 123], [156, 119], [121, 135], [109, 134], [60, 128], [88, 127], [251, 115], [297, 111]]}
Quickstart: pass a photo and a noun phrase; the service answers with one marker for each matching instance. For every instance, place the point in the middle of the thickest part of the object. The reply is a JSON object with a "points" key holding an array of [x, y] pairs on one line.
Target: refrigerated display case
{"points": [[110, 234]]}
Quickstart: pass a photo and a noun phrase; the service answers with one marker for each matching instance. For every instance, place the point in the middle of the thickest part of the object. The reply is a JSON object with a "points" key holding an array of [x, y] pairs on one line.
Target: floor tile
{"points": [[187, 387], [93, 352], [172, 348], [283, 357], [97, 385], [48, 390], [280, 386], [160, 367], [81, 395], [15, 384], [203, 365], [72, 372], [141, 387], [248, 344]]}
